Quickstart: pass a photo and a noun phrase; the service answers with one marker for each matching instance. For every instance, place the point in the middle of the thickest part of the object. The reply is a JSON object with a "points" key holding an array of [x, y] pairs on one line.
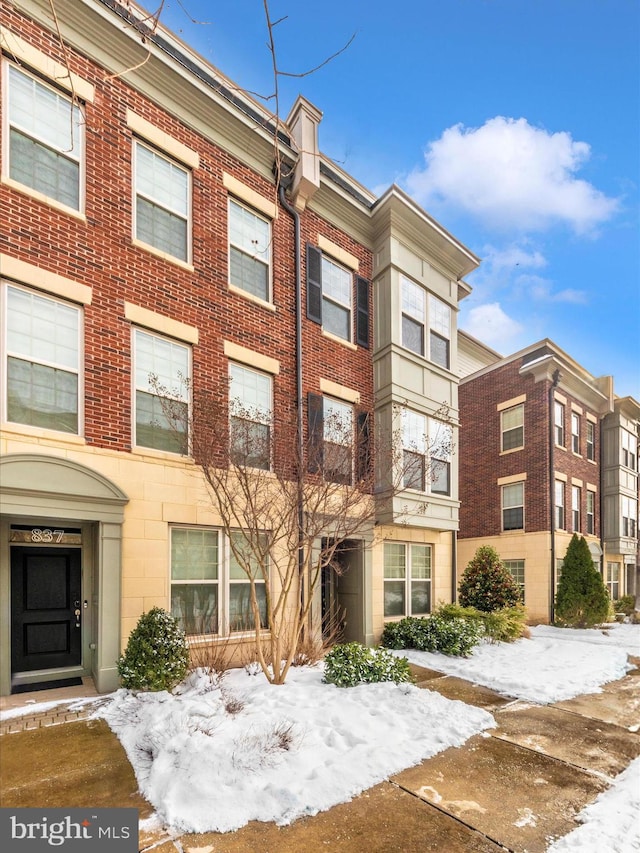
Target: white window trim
{"points": [[236, 288], [503, 412], [185, 263], [223, 584], [407, 577], [270, 422], [351, 307], [63, 91], [37, 430], [142, 448], [512, 482]]}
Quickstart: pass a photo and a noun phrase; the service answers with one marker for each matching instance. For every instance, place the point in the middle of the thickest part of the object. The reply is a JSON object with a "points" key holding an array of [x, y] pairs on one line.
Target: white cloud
{"points": [[490, 324], [541, 290], [511, 175]]}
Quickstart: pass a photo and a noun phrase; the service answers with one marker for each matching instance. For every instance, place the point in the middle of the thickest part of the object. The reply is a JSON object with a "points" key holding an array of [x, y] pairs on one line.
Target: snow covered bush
{"points": [[435, 633], [156, 656], [352, 663], [582, 600], [486, 584]]}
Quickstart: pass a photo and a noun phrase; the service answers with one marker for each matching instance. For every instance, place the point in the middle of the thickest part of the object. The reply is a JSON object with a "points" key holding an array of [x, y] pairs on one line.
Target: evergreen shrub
{"points": [[486, 584], [582, 600], [349, 664], [435, 633], [157, 655]]}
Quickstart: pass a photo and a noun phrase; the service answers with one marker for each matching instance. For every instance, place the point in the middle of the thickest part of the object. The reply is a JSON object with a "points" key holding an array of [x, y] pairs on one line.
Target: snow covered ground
{"points": [[214, 757]]}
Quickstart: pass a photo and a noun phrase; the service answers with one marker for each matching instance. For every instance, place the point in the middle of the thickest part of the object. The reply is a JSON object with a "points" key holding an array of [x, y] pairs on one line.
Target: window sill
{"points": [[339, 340], [45, 199], [12, 429], [152, 453], [511, 450], [147, 247], [577, 455], [233, 288]]}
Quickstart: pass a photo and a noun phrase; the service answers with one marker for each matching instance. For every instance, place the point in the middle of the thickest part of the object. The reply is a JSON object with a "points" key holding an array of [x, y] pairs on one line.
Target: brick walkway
{"points": [[67, 707]]}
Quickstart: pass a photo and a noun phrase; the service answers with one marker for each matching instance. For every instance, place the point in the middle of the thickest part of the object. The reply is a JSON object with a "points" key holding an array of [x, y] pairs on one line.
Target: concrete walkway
{"points": [[514, 788]]}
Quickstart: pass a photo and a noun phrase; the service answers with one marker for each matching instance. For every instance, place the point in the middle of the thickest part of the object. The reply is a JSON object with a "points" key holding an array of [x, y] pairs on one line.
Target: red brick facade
{"points": [[482, 464], [99, 252]]}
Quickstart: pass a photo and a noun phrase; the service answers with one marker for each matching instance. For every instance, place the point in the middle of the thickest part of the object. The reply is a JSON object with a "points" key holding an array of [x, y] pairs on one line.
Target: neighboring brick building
{"points": [[532, 470], [144, 234]]}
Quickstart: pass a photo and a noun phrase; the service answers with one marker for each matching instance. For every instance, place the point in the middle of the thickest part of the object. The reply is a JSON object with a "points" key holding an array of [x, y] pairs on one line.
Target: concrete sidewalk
{"points": [[514, 788]]}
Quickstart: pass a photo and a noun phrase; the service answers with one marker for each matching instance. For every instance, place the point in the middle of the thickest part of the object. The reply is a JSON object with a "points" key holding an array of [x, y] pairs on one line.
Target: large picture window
{"points": [[45, 138], [42, 352], [407, 579], [162, 368], [211, 580], [162, 202]]}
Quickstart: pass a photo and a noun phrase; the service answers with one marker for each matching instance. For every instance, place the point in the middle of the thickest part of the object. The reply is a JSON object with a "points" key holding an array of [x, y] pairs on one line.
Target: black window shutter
{"points": [[315, 411], [314, 283], [363, 461], [362, 317]]}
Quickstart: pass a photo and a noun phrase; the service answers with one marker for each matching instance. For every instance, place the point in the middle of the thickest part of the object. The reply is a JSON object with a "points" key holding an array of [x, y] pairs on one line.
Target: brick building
{"points": [[145, 235], [541, 450]]}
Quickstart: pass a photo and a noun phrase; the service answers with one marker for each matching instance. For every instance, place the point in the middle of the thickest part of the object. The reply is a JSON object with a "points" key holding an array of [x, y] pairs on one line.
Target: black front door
{"points": [[46, 592]]}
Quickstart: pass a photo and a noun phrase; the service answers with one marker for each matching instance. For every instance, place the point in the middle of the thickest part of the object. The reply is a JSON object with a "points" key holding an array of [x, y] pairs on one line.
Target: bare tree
{"points": [[285, 518]]}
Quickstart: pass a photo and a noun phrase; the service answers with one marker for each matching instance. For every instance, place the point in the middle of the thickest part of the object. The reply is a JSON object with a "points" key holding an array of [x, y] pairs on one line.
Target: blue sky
{"points": [[516, 123]]}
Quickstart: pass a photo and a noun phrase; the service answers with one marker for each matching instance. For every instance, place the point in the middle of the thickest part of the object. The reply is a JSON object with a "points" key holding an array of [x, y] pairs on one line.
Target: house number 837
{"points": [[46, 535]]}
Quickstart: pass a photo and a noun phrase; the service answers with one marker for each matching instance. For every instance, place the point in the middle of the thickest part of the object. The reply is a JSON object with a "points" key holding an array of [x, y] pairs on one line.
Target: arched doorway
{"points": [[60, 572]]}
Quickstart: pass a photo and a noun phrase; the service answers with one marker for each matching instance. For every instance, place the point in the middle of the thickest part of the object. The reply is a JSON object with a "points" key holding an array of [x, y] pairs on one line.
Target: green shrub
{"points": [[500, 626], [582, 600], [156, 656], [349, 664], [436, 633], [625, 604], [486, 584]]}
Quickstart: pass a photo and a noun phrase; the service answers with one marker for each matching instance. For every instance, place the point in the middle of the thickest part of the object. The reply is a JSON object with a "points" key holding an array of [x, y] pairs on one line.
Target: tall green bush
{"points": [[582, 600], [486, 584], [156, 656]]}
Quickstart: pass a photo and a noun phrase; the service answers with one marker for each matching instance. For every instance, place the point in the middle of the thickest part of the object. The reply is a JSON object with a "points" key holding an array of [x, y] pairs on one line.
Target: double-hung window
{"points": [[414, 441], [513, 506], [211, 580], [440, 447], [629, 444], [558, 421], [248, 565], [439, 332], [591, 441], [330, 298], [43, 355], [162, 369], [559, 504], [337, 451], [613, 580], [336, 299], [195, 579], [576, 499], [413, 316], [575, 432], [516, 568], [45, 138], [629, 517], [162, 202], [407, 579], [251, 413], [249, 251], [591, 513], [512, 428]]}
